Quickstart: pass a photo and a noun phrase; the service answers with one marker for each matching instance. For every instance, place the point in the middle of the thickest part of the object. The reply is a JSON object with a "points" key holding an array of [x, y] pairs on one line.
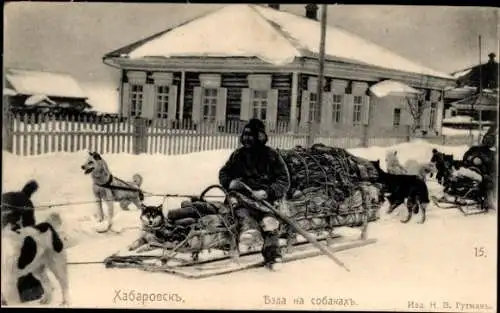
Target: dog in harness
{"points": [[109, 189]]}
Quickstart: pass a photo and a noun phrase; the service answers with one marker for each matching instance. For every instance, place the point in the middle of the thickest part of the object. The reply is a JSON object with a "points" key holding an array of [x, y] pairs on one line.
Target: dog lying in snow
{"points": [[110, 189], [403, 187], [37, 250], [154, 229]]}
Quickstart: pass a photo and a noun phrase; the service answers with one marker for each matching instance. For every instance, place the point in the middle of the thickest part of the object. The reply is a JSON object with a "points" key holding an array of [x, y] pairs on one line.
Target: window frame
{"points": [[313, 100], [136, 99], [212, 106], [259, 102], [337, 108], [357, 110], [162, 100], [398, 124]]}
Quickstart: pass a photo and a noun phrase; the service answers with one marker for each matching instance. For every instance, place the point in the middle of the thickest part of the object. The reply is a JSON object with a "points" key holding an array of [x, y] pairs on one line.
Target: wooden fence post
{"points": [[7, 126], [140, 136]]}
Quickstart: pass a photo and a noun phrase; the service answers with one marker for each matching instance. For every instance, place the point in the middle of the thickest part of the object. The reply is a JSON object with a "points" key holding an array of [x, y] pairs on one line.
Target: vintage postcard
{"points": [[250, 156]]}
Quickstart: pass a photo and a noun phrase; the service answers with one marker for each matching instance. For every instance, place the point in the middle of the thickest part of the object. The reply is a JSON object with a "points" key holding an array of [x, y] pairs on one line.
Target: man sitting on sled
{"points": [[263, 170]]}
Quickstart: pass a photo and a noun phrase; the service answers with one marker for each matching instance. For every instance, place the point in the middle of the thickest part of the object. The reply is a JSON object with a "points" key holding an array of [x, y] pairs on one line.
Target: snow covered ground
{"points": [[434, 262]]}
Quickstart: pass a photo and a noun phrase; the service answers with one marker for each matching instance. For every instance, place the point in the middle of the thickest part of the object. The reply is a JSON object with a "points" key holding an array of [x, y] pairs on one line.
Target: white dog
{"points": [[392, 163], [36, 250]]}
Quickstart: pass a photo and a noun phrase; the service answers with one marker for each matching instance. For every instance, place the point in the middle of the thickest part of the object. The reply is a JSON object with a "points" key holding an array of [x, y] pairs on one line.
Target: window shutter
{"points": [[221, 106], [149, 102], [304, 108], [196, 113], [272, 109], [327, 112], [348, 109], [425, 119], [172, 103], [366, 111], [126, 100], [439, 116], [245, 109]]}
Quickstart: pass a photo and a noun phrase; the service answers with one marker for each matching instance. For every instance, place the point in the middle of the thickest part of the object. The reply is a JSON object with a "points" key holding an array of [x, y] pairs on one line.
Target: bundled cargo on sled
{"points": [[330, 188]]}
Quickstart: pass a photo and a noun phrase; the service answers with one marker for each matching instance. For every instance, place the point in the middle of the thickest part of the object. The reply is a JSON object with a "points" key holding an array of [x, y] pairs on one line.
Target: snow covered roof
{"points": [[271, 35], [31, 82], [9, 92], [388, 87], [461, 73]]}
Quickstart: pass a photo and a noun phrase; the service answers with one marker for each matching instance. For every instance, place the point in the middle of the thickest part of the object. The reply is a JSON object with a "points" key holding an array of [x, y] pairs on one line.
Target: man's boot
{"points": [[249, 228], [271, 250]]}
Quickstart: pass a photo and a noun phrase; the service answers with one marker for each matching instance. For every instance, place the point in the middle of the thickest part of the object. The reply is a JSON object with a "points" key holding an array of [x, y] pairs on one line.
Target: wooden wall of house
{"points": [[303, 79], [234, 83], [382, 112]]}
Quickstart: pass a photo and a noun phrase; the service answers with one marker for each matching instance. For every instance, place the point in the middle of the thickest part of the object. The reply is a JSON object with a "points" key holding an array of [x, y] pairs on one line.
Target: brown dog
{"points": [[110, 189]]}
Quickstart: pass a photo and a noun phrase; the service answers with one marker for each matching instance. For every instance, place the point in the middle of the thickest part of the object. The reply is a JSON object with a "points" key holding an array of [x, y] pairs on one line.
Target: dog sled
{"points": [[470, 188], [330, 189]]}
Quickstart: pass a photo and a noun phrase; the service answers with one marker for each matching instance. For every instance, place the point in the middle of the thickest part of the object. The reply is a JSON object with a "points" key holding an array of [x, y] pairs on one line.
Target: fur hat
{"points": [[258, 130]]}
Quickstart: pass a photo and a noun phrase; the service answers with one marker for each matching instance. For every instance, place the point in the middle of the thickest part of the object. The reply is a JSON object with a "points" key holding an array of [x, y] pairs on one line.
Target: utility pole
{"points": [[478, 95], [480, 92], [314, 120]]}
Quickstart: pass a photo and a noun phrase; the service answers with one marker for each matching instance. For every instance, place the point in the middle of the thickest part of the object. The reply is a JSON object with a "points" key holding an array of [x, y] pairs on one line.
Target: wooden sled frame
{"points": [[247, 260], [460, 207], [230, 263]]}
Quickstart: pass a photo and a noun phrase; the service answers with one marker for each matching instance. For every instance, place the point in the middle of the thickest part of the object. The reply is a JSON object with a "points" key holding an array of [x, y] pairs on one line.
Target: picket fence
{"points": [[28, 135]]}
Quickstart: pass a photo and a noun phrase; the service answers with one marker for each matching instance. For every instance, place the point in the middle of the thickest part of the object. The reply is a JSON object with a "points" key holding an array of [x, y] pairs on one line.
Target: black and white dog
{"points": [[30, 251], [402, 187]]}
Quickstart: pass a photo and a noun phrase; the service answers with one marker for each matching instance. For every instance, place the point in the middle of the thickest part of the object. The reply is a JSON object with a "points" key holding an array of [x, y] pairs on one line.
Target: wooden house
{"points": [[246, 61]]}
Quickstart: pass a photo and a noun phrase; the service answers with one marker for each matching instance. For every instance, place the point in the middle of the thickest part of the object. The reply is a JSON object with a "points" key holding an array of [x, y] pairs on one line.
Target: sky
{"points": [[73, 37]]}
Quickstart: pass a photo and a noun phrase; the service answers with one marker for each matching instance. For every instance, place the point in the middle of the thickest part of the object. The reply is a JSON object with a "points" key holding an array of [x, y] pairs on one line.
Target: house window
{"points": [[136, 99], [162, 93], [358, 104], [259, 104], [432, 122], [337, 108], [396, 120], [209, 103], [313, 99]]}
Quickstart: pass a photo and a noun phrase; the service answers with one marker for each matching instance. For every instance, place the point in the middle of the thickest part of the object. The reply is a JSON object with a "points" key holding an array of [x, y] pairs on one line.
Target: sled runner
{"points": [[466, 206], [330, 189]]}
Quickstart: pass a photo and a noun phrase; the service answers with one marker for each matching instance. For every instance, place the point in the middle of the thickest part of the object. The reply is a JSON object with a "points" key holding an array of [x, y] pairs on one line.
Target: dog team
{"points": [[31, 249]]}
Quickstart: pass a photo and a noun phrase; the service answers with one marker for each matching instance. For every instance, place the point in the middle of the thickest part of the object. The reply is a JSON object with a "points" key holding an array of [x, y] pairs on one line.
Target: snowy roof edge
{"points": [[76, 90]]}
